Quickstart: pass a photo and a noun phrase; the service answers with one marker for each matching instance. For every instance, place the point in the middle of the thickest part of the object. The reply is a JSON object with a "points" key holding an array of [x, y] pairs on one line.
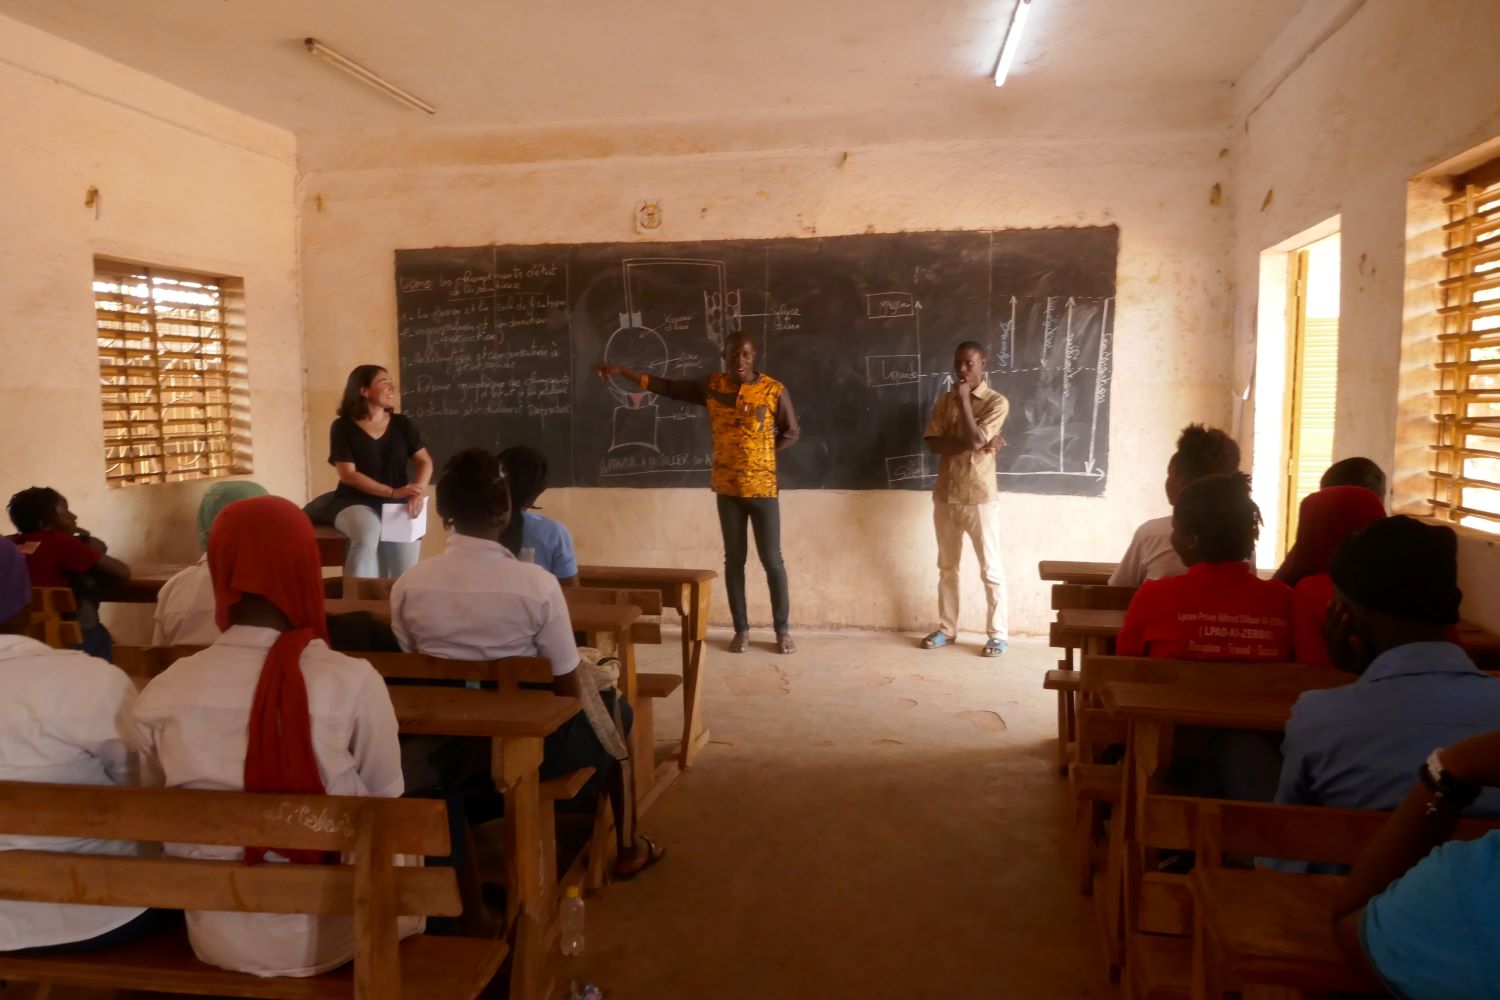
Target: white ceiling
{"points": [[500, 63]]}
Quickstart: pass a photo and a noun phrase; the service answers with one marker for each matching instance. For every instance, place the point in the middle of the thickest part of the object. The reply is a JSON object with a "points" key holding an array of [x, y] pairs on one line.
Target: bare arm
{"points": [[108, 566], [947, 445], [972, 435], [684, 391], [351, 476]]}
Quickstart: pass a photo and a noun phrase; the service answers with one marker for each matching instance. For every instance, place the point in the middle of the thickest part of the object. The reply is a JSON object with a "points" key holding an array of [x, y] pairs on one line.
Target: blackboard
{"points": [[498, 346]]}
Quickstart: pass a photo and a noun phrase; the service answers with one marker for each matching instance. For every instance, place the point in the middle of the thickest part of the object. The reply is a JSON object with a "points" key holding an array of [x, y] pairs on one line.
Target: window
{"points": [[171, 374], [1466, 477]]}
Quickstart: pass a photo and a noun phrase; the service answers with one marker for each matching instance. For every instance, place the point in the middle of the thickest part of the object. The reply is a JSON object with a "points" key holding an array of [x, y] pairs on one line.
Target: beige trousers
{"points": [[981, 522]]}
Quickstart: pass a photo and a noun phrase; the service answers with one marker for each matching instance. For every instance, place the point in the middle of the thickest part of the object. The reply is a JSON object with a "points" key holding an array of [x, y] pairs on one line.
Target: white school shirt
{"points": [[1150, 555], [185, 609], [64, 719], [193, 722], [476, 601]]}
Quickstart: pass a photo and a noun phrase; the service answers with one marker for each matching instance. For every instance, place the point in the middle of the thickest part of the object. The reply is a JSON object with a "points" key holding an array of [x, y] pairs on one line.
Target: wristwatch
{"points": [[1444, 785]]}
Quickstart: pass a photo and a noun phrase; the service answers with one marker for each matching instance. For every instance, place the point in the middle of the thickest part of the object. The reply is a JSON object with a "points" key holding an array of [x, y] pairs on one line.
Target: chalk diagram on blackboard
{"points": [[1073, 357], [637, 417]]}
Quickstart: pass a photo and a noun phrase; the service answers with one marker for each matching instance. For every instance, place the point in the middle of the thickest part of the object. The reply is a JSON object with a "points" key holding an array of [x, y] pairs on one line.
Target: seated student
{"points": [[269, 708], [476, 601], [185, 608], [1359, 472], [1419, 909], [1355, 747], [1201, 451], [1324, 520], [63, 719], [1219, 609], [529, 536], [61, 554]]}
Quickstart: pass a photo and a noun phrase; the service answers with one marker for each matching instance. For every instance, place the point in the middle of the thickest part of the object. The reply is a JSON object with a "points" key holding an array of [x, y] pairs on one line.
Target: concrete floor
{"points": [[870, 821]]}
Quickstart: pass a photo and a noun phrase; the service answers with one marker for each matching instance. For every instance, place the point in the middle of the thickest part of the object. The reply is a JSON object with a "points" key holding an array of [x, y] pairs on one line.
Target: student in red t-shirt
{"points": [[1219, 609], [1324, 520], [61, 554]]}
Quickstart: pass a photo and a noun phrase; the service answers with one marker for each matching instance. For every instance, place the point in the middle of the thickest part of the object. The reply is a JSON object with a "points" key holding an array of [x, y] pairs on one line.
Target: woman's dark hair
{"points": [[526, 471], [1355, 472], [353, 405], [1218, 510], [1204, 451], [31, 508], [472, 491]]}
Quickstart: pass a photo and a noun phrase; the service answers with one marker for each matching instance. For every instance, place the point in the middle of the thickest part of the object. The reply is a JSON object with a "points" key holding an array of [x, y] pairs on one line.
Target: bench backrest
{"points": [[1098, 671], [1083, 597], [370, 829], [508, 674]]}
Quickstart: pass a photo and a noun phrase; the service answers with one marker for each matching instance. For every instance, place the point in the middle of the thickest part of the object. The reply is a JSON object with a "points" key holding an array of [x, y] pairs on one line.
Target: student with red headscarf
{"points": [[1324, 520], [269, 708]]}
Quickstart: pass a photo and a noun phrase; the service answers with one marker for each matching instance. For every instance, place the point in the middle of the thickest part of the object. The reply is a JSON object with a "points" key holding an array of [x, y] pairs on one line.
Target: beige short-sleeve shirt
{"points": [[968, 477]]}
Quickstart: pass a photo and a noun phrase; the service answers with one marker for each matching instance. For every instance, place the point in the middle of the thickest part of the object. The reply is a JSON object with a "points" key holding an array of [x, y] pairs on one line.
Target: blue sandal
{"points": [[994, 647], [937, 640]]}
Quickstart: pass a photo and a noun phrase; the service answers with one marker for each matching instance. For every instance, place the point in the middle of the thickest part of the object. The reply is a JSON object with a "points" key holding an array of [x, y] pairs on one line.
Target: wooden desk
{"points": [[516, 723], [1266, 928], [1202, 705], [333, 545], [1062, 571], [686, 591], [146, 581]]}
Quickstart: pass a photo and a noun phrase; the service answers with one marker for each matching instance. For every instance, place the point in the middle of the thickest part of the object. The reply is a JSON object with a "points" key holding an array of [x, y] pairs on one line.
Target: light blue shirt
{"points": [[550, 544], [1434, 933], [1359, 746]]}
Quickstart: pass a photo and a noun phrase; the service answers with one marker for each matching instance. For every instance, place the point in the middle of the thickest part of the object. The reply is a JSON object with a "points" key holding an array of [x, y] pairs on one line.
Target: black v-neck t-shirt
{"points": [[383, 459]]}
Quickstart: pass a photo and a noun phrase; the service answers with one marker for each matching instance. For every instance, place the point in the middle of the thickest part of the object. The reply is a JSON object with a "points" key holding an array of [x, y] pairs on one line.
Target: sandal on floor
{"points": [[740, 642], [654, 853], [784, 643], [994, 647], [937, 640]]}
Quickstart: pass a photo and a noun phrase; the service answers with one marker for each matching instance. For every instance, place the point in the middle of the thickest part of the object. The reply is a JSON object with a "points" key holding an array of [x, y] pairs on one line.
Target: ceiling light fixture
{"points": [[366, 77], [1012, 41]]}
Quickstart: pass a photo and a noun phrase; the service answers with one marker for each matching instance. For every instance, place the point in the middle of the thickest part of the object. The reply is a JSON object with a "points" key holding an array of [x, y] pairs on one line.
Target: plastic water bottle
{"points": [[571, 920]]}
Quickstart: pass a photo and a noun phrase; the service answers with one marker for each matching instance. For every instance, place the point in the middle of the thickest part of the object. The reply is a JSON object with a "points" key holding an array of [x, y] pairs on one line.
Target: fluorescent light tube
{"points": [[366, 77], [1012, 41]]}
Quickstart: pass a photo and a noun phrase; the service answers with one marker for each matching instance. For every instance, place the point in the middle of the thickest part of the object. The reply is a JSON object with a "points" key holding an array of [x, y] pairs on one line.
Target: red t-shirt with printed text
{"points": [[1214, 611], [53, 557]]}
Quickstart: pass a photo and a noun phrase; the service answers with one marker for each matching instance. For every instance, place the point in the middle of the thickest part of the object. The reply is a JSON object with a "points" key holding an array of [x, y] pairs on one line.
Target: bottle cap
{"points": [[573, 892]]}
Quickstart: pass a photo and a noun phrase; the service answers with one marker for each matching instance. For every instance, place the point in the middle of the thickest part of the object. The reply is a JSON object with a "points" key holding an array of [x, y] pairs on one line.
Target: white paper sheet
{"points": [[396, 525]]}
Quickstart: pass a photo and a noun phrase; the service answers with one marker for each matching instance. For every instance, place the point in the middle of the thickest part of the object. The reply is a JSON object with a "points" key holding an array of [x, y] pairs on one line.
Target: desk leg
{"points": [[694, 645], [642, 734], [532, 892], [1150, 755]]}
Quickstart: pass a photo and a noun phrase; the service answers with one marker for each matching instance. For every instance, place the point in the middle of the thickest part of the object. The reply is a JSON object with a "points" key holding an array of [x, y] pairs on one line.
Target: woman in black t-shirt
{"points": [[370, 445]]}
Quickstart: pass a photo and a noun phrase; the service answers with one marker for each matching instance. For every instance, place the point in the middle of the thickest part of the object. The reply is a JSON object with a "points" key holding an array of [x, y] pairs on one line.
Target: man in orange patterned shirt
{"points": [[751, 418]]}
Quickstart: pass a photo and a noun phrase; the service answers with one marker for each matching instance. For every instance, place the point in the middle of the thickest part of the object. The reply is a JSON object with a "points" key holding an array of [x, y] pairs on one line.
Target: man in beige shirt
{"points": [[965, 431]]}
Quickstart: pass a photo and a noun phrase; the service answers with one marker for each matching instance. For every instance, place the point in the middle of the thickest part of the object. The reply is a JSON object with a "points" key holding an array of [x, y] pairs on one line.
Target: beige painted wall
{"points": [[855, 558], [1354, 100], [184, 183]]}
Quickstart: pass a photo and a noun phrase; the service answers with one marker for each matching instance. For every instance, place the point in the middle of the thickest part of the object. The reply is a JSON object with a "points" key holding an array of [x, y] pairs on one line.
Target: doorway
{"points": [[1312, 371]]}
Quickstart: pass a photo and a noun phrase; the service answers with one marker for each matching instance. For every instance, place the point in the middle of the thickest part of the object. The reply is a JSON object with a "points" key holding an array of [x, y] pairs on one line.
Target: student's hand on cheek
{"points": [[1345, 647]]}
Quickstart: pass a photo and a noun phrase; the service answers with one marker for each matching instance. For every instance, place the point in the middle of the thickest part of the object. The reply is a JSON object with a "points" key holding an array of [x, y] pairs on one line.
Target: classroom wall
{"points": [[1340, 116], [183, 182], [855, 558]]}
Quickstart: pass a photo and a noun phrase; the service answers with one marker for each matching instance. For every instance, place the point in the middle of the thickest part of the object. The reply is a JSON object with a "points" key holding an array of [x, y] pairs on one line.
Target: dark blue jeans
{"points": [[763, 515]]}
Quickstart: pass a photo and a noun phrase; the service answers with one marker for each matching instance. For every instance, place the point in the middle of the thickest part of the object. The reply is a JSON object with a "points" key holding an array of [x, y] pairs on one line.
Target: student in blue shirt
{"points": [[1396, 597], [1419, 909], [533, 538]]}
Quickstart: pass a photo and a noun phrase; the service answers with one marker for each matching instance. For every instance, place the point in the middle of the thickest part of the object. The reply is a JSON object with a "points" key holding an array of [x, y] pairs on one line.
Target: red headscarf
{"points": [[1325, 519], [265, 546]]}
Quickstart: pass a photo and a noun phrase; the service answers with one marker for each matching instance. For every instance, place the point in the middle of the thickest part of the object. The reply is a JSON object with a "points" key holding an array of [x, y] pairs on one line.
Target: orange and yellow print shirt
{"points": [[746, 421]]}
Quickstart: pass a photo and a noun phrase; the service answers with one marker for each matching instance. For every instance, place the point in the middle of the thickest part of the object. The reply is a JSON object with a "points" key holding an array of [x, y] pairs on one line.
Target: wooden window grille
{"points": [[171, 374]]}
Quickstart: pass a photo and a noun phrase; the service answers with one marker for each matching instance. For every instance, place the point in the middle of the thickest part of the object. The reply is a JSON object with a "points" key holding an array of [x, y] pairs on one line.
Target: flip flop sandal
{"points": [[994, 647], [937, 640], [654, 854]]}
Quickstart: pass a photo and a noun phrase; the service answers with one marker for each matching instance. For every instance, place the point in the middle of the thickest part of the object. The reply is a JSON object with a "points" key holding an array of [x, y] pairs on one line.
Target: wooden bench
{"points": [[50, 607], [1064, 571], [372, 889], [1262, 927]]}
